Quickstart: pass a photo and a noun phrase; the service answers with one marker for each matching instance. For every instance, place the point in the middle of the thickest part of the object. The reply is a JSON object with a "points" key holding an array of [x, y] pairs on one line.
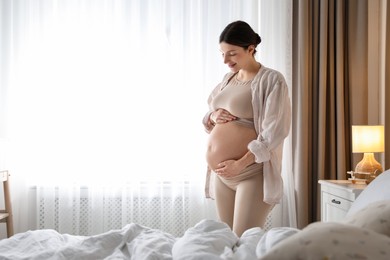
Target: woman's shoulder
{"points": [[269, 73], [268, 77]]}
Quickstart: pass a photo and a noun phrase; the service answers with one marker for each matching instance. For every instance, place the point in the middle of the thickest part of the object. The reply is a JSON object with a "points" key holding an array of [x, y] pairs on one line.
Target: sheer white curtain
{"points": [[275, 28], [103, 102]]}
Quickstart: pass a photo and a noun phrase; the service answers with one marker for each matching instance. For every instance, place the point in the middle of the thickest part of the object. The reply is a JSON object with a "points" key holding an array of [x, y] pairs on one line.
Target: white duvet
{"points": [[365, 235], [207, 240]]}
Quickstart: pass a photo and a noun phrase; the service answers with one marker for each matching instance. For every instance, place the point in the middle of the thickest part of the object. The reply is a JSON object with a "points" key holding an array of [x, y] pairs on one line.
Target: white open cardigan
{"points": [[272, 120]]}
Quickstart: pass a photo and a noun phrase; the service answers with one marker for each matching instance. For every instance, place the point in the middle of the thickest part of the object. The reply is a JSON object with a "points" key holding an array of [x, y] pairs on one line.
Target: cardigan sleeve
{"points": [[274, 118], [208, 125]]}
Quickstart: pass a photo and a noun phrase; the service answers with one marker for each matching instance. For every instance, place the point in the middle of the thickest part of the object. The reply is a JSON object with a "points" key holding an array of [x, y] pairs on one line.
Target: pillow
{"points": [[332, 240], [377, 190], [375, 216]]}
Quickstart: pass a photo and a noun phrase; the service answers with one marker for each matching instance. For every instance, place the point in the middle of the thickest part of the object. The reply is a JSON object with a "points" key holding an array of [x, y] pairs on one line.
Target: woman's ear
{"points": [[251, 49]]}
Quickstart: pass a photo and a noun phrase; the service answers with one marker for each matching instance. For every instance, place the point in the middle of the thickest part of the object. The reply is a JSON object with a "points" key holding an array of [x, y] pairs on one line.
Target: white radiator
{"points": [[84, 214], [80, 213]]}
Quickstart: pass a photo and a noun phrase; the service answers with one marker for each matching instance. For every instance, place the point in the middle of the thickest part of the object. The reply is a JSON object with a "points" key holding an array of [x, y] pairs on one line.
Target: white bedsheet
{"points": [[208, 239], [131, 242]]}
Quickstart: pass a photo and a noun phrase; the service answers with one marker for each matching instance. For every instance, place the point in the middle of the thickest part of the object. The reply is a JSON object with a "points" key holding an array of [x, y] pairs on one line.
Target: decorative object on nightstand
{"points": [[367, 139]]}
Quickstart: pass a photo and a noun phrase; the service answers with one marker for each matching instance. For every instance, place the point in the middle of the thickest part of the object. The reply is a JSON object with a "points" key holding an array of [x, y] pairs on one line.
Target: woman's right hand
{"points": [[221, 116]]}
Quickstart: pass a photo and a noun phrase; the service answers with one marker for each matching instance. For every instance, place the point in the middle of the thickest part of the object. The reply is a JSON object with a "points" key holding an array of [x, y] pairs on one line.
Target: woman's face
{"points": [[235, 56]]}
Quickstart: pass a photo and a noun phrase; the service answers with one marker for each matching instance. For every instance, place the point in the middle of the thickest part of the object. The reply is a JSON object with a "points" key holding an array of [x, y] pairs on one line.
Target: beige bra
{"points": [[236, 97]]}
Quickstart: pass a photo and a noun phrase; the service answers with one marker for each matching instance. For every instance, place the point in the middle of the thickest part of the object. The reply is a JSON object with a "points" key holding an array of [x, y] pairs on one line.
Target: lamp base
{"points": [[369, 165]]}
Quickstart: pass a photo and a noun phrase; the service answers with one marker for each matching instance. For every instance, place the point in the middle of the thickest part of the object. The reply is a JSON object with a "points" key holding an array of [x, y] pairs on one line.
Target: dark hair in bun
{"points": [[240, 33]]}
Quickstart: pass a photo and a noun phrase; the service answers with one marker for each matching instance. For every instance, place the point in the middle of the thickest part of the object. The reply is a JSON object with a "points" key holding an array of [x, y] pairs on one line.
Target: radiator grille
{"points": [[83, 216], [171, 215]]}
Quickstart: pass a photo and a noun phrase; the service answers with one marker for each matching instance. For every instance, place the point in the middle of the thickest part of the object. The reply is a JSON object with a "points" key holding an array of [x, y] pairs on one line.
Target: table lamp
{"points": [[368, 139]]}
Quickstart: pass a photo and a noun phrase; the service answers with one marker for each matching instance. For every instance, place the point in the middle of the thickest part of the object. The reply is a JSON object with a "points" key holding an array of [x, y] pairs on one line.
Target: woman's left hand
{"points": [[228, 169]]}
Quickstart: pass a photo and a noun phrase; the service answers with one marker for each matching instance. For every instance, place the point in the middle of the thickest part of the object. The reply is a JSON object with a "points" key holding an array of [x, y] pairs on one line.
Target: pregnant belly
{"points": [[228, 141]]}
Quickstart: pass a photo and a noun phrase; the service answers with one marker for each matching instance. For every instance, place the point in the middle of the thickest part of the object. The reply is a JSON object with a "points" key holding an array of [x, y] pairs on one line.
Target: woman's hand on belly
{"points": [[228, 142], [221, 116], [229, 168], [232, 168]]}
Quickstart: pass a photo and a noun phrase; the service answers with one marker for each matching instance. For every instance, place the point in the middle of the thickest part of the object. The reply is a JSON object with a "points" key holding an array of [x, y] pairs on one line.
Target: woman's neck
{"points": [[248, 73]]}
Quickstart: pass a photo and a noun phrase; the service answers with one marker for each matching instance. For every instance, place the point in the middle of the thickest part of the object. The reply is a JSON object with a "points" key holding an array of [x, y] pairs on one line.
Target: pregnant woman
{"points": [[248, 120]]}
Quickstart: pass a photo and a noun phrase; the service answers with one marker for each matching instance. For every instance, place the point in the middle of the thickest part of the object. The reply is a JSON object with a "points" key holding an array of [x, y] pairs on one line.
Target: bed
{"points": [[363, 234]]}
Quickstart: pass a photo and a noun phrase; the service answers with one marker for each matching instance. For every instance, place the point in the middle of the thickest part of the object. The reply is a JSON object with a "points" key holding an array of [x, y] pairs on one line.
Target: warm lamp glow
{"points": [[368, 140]]}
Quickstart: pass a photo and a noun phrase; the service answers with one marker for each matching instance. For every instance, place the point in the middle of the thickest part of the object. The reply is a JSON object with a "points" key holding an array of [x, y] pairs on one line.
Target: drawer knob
{"points": [[336, 201]]}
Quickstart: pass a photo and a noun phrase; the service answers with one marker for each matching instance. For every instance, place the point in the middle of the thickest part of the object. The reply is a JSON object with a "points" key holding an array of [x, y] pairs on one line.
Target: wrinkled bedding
{"points": [[208, 239]]}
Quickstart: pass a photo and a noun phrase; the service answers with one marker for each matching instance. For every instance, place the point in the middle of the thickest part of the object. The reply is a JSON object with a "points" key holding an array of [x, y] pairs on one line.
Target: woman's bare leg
{"points": [[250, 209], [224, 199]]}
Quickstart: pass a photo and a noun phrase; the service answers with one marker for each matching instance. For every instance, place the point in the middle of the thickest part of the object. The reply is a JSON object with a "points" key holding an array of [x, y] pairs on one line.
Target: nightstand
{"points": [[337, 197]]}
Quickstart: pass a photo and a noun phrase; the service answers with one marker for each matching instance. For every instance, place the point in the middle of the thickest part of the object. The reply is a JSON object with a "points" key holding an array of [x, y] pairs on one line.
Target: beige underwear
{"points": [[248, 172]]}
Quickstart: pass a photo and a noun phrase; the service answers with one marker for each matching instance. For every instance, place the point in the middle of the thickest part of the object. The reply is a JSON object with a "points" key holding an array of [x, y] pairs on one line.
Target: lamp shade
{"points": [[368, 139]]}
